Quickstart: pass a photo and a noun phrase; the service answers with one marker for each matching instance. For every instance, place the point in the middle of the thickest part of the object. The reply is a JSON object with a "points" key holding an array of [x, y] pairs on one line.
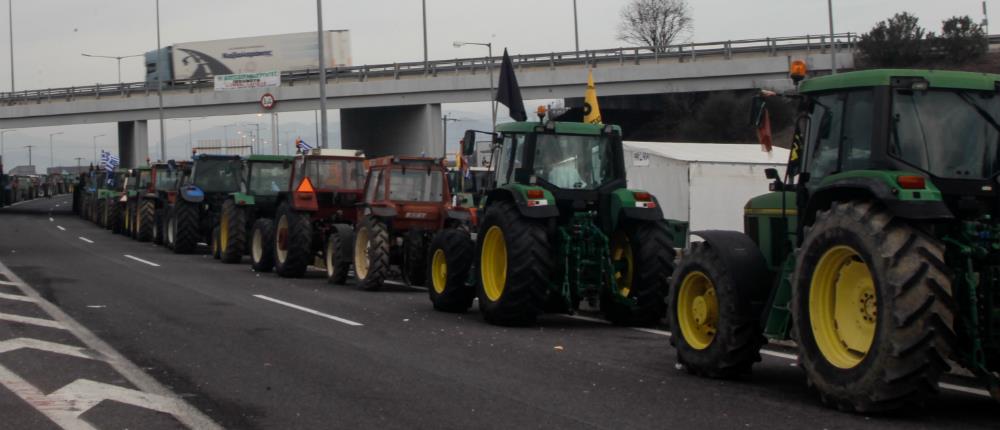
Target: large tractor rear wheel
{"points": [[715, 323], [338, 253], [643, 257], [415, 257], [292, 242], [451, 253], [232, 232], [185, 223], [262, 245], [371, 254], [102, 212], [159, 234], [873, 309], [213, 244], [515, 262], [116, 218], [145, 220]]}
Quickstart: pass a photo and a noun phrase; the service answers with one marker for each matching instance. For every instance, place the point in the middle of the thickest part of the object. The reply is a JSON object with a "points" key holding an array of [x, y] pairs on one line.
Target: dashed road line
{"points": [[403, 284], [33, 321], [85, 239], [142, 261], [16, 297], [953, 387], [52, 219], [61, 227], [41, 345], [10, 284], [309, 311]]}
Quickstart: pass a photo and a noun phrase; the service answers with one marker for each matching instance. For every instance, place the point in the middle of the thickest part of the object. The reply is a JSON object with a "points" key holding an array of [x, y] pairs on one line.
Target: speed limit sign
{"points": [[267, 101]]}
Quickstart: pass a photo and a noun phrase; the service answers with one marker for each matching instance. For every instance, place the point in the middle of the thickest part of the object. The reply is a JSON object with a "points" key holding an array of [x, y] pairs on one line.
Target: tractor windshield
{"points": [[416, 185], [573, 161], [145, 177], [267, 179], [166, 179], [336, 174], [218, 175], [947, 133]]}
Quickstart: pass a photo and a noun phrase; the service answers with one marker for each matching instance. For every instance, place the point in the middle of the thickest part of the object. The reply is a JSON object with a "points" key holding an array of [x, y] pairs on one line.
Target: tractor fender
{"points": [[192, 194], [743, 260], [868, 188], [625, 206], [517, 194]]}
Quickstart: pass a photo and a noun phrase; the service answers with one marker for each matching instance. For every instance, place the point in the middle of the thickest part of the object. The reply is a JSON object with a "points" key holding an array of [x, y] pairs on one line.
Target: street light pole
{"points": [[10, 17], [29, 154], [322, 74], [159, 86], [576, 28], [424, 5], [118, 58], [95, 147], [833, 45], [52, 159], [3, 132]]}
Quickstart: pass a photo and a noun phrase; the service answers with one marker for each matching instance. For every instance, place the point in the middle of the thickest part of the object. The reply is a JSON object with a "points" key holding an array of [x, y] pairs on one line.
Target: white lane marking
{"points": [[85, 239], [11, 284], [402, 284], [61, 227], [33, 321], [653, 331], [310, 311], [142, 261], [57, 408], [52, 219], [590, 319], [784, 355], [85, 394], [16, 297], [953, 387], [41, 345]]}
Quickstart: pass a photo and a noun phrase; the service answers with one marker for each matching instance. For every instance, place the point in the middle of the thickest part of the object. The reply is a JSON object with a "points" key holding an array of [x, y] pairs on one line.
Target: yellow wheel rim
{"points": [[439, 271], [493, 263], [621, 253], [698, 310], [843, 307], [224, 233], [361, 254]]}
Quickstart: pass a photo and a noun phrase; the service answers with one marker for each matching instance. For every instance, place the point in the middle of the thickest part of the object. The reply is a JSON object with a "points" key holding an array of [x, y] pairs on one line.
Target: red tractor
{"points": [[407, 200], [314, 215]]}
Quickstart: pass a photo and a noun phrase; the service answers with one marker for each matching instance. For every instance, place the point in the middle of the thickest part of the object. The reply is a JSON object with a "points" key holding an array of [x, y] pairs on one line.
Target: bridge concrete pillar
{"points": [[133, 143], [394, 130]]}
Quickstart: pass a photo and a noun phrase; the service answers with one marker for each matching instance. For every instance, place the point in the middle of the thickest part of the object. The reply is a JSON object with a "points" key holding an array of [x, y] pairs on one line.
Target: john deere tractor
{"points": [[878, 252], [198, 204], [557, 227], [266, 176]]}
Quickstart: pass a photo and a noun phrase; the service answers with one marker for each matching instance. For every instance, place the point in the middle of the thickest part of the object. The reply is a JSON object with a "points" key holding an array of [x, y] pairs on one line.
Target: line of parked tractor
{"points": [[880, 277], [20, 188]]}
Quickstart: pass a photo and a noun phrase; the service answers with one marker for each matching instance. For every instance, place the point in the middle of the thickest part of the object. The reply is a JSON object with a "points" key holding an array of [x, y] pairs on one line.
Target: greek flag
{"points": [[109, 162], [302, 145]]}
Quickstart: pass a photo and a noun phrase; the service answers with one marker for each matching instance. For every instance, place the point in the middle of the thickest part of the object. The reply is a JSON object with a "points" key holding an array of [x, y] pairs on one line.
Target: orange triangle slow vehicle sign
{"points": [[306, 186]]}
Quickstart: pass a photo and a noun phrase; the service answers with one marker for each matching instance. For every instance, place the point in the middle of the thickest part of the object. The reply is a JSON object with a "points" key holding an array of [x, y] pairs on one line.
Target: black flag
{"points": [[508, 93]]}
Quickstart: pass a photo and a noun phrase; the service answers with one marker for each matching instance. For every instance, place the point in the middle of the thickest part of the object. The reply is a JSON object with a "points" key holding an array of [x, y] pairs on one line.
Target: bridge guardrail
{"points": [[595, 58]]}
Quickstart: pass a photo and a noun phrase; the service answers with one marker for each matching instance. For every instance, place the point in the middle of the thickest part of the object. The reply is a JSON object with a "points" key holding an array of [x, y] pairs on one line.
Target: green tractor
{"points": [[266, 177], [877, 252], [558, 227], [108, 193], [139, 210]]}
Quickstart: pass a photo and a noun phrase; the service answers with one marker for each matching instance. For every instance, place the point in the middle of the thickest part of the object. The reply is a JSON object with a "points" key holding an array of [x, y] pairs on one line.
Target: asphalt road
{"points": [[254, 351]]}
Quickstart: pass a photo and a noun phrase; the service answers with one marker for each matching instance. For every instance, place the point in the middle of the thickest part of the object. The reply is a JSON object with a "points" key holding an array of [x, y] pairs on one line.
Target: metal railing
{"points": [[593, 58]]}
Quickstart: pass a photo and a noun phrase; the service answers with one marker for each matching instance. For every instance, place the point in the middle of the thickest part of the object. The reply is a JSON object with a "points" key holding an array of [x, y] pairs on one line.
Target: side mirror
{"points": [[469, 143], [771, 173]]}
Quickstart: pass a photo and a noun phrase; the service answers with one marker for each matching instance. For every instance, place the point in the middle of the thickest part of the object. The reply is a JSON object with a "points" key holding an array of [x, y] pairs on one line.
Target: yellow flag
{"points": [[591, 110]]}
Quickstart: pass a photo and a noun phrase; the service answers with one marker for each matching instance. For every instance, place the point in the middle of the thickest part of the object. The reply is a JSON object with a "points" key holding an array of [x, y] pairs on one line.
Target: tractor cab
{"points": [[328, 181], [213, 177], [412, 190]]}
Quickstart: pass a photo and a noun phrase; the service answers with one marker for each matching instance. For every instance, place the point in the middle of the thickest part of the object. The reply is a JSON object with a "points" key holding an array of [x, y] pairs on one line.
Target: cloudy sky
{"points": [[50, 35]]}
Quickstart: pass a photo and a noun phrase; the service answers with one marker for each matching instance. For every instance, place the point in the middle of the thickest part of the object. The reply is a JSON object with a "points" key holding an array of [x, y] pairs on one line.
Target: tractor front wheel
{"points": [[292, 242], [232, 232], [715, 327], [643, 258], [337, 253], [371, 254], [451, 253], [873, 309], [415, 257], [185, 227], [515, 262], [262, 245]]}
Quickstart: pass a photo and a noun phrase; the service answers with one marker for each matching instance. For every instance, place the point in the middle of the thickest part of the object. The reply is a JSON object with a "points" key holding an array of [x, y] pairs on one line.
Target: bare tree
{"points": [[654, 23]]}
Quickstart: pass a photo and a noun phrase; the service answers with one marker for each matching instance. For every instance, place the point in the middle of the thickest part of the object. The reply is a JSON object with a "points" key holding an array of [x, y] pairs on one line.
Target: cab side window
{"points": [[513, 146], [374, 182], [824, 135], [856, 149]]}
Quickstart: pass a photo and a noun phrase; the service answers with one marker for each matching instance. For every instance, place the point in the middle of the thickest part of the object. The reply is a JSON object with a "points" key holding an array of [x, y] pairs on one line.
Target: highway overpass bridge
{"points": [[396, 108]]}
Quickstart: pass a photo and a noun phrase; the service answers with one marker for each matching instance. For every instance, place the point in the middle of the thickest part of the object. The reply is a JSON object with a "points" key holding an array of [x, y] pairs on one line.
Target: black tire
{"points": [[169, 228], [735, 342], [415, 257], [292, 242], [371, 254], [529, 264], [457, 250], [213, 244], [339, 253], [158, 232], [186, 235], [911, 319], [116, 218], [262, 245], [145, 220], [233, 233], [650, 244], [102, 212]]}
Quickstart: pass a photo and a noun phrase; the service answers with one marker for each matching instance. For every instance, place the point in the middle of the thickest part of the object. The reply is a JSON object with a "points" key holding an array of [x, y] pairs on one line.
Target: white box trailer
{"points": [[280, 52], [705, 184]]}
